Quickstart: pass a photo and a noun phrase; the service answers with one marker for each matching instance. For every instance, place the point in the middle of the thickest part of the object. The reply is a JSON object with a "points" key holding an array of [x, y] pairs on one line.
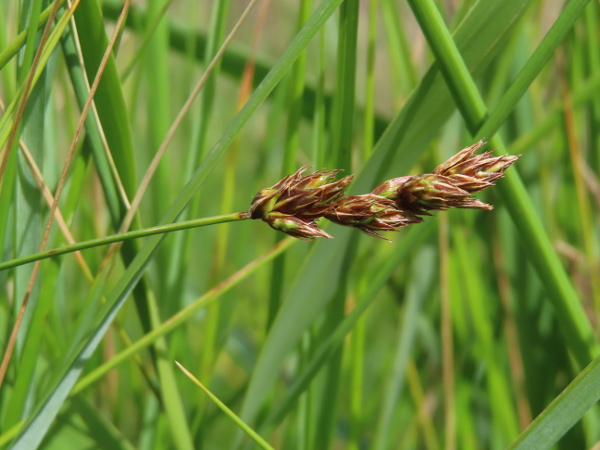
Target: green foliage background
{"points": [[473, 330]]}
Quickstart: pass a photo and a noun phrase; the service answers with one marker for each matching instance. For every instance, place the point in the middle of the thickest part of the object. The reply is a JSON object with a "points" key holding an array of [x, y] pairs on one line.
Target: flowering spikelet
{"points": [[474, 173], [451, 183], [296, 201], [370, 213], [307, 230]]}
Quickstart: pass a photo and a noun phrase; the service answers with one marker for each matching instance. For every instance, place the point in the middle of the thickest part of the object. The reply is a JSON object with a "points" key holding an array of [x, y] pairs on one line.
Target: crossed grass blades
{"points": [[295, 203]]}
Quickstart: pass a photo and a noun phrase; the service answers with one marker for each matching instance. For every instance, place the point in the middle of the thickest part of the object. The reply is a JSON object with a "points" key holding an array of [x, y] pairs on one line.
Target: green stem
{"points": [[177, 226]]}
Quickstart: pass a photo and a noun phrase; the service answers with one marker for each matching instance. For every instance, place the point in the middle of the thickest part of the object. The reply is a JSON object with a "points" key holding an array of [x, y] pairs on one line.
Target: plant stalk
{"points": [[177, 226]]}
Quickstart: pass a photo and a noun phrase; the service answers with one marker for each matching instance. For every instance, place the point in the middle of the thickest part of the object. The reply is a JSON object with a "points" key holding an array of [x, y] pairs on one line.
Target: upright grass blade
{"points": [[157, 76], [171, 398], [340, 156], [295, 90], [542, 54], [10, 50], [501, 399], [424, 269], [109, 99], [112, 113], [101, 426]]}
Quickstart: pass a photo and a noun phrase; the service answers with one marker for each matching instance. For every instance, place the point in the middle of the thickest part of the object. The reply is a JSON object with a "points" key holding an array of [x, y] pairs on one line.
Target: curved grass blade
{"points": [[564, 412]]}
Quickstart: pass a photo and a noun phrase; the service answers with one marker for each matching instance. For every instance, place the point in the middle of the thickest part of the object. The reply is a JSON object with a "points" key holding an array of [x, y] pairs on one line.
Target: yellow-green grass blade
{"points": [[53, 39], [10, 50], [223, 407], [170, 395], [564, 412], [182, 316]]}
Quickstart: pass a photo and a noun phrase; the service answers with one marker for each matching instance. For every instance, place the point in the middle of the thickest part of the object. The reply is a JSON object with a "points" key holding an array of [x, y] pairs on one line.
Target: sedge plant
{"points": [[295, 203]]}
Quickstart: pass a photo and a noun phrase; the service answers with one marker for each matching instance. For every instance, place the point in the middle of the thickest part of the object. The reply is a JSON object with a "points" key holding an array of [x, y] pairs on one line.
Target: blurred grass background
{"points": [[458, 334]]}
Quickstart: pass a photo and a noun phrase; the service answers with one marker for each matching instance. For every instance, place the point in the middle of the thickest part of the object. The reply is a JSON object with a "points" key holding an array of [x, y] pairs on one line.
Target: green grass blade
{"points": [[172, 401], [93, 139], [109, 99], [182, 316], [340, 156], [100, 426], [424, 268], [28, 224], [564, 412], [179, 255], [10, 50]]}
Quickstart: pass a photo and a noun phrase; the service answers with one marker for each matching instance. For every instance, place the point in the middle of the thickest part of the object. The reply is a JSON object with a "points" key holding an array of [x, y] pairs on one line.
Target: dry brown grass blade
{"points": [[447, 339], [60, 186]]}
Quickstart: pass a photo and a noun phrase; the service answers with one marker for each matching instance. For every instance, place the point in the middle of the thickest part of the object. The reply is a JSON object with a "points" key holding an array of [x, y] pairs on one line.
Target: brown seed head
{"points": [[296, 201], [450, 185], [474, 173], [370, 213], [309, 196], [431, 192]]}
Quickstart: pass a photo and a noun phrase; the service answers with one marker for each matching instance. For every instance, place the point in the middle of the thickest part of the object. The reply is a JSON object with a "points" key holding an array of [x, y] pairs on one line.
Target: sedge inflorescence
{"points": [[296, 202]]}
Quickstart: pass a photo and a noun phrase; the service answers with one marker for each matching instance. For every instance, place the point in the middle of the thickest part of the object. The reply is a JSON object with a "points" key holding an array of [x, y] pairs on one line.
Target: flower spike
{"points": [[295, 203]]}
